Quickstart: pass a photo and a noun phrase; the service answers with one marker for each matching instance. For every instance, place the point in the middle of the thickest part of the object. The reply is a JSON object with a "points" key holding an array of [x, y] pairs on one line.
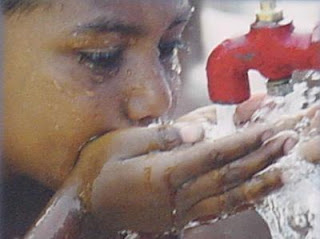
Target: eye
{"points": [[101, 59], [168, 49]]}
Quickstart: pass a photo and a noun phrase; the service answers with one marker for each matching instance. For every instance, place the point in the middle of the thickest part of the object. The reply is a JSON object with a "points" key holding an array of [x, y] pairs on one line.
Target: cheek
{"points": [[93, 100], [88, 116], [56, 119]]}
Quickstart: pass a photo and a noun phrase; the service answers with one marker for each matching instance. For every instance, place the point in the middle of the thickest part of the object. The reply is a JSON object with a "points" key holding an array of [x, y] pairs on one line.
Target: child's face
{"points": [[81, 68]]}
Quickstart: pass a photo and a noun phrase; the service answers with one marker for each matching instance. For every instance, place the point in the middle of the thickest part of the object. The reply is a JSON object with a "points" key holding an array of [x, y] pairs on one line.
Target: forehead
{"points": [[150, 13], [140, 4]]}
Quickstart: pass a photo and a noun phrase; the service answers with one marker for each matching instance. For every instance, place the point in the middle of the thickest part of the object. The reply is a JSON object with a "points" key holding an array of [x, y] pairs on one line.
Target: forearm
{"points": [[65, 216], [61, 218]]}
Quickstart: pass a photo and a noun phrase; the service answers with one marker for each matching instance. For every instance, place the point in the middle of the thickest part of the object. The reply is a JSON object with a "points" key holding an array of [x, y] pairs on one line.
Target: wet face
{"points": [[78, 69]]}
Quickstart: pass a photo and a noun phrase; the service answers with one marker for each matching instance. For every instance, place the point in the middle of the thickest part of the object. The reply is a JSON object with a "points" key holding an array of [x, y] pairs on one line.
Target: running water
{"points": [[294, 211], [224, 125]]}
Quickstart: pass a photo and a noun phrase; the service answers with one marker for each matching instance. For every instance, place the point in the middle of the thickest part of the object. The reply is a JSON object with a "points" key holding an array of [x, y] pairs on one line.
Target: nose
{"points": [[149, 94]]}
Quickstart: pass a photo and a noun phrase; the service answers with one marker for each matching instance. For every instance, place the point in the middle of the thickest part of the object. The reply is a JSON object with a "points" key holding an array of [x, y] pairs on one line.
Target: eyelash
{"points": [[100, 60]]}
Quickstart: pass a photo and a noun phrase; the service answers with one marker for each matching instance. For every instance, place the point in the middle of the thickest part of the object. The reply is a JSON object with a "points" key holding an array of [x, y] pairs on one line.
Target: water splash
{"points": [[294, 211]]}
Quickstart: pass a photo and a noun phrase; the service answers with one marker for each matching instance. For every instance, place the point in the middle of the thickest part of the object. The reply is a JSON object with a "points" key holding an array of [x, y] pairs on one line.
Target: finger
{"points": [[245, 110], [286, 123], [310, 113], [205, 156], [204, 114], [233, 201], [315, 122], [190, 132], [310, 150], [132, 142], [220, 180]]}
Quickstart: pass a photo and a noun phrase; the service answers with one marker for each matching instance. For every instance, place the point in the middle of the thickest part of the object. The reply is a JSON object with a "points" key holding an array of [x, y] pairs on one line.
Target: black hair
{"points": [[10, 6]]}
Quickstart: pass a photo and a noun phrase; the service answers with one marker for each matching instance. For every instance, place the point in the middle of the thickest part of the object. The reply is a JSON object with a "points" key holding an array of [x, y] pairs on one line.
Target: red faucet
{"points": [[271, 47]]}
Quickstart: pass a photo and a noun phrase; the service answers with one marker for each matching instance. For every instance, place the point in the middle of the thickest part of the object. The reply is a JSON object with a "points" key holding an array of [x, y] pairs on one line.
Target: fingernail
{"points": [[289, 144], [267, 135], [191, 133], [171, 137]]}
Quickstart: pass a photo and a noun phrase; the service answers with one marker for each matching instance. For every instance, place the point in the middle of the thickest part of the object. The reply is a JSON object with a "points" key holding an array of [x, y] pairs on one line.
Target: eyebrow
{"points": [[102, 25]]}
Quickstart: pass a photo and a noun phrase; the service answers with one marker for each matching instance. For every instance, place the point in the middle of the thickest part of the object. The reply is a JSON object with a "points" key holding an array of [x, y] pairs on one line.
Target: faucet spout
{"points": [[271, 48]]}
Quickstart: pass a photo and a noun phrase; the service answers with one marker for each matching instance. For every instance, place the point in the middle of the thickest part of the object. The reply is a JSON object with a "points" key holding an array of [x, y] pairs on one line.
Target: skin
{"points": [[308, 148], [57, 99], [52, 82]]}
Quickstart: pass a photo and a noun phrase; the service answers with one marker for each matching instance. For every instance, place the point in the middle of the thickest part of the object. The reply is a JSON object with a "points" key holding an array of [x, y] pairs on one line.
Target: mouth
{"points": [[144, 122]]}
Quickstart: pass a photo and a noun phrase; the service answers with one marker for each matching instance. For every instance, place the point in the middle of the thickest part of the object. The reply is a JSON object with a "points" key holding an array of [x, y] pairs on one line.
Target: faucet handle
{"points": [[269, 12], [267, 5]]}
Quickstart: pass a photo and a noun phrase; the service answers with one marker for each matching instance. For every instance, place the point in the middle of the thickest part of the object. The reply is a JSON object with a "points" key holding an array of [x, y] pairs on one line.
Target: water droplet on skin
{"points": [[176, 66], [126, 234], [132, 41], [129, 73], [147, 177], [50, 106], [90, 93], [98, 79], [57, 85]]}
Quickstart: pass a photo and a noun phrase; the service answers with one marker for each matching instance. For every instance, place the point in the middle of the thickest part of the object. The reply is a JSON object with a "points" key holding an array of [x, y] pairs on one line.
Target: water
{"points": [[225, 124], [294, 211], [291, 104]]}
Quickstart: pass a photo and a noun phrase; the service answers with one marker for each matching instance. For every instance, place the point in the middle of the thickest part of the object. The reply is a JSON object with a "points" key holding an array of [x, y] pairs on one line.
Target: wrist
{"points": [[83, 177], [62, 216]]}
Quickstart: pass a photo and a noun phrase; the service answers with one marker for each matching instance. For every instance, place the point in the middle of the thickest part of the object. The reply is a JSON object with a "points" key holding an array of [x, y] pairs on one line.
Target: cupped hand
{"points": [[310, 149], [151, 180]]}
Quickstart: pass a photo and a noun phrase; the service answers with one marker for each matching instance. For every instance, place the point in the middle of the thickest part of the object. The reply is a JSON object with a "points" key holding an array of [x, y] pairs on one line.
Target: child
{"points": [[82, 80]]}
